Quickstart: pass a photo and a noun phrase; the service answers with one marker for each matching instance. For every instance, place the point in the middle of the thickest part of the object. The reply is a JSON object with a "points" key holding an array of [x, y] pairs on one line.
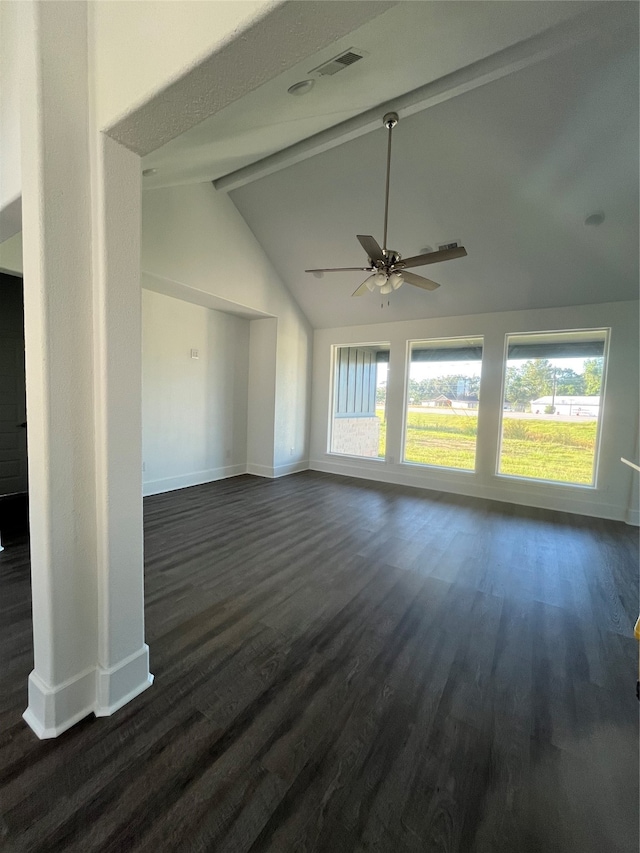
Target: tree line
{"points": [[454, 386], [539, 378], [533, 379]]}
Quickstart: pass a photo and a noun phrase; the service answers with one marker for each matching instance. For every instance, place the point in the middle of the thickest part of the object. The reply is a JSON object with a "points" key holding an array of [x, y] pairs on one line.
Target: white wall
{"points": [[194, 411], [171, 35], [610, 499], [195, 236]]}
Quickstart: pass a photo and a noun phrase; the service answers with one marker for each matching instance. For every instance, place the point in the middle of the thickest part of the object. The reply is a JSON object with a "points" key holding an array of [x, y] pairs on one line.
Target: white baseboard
{"points": [[197, 478], [293, 468], [259, 470], [53, 710], [633, 517], [119, 684], [194, 478], [561, 498], [278, 471]]}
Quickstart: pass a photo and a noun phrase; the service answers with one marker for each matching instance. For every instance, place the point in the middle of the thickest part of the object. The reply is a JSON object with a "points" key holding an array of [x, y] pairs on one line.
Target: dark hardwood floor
{"points": [[347, 666]]}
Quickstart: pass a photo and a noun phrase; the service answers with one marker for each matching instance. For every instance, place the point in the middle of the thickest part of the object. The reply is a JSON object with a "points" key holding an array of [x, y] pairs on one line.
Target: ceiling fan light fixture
{"points": [[388, 288], [396, 280], [380, 278], [371, 283]]}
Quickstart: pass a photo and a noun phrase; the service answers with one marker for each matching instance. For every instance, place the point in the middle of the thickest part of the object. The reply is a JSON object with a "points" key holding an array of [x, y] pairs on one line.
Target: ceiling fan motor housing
{"points": [[391, 257]]}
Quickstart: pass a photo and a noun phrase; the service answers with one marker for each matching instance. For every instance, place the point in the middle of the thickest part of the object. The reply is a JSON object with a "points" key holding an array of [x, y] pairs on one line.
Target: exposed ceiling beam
{"points": [[529, 52]]}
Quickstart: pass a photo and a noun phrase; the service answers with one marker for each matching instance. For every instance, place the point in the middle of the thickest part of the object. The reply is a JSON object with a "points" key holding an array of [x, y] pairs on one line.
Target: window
{"points": [[358, 419], [442, 403], [552, 405]]}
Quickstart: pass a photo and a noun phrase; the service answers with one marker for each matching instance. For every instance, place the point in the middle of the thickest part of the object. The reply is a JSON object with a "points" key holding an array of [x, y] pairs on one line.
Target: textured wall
{"points": [[356, 436]]}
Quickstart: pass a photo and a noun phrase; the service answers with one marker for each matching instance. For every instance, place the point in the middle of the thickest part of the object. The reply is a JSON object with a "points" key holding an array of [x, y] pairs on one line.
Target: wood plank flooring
{"points": [[348, 666]]}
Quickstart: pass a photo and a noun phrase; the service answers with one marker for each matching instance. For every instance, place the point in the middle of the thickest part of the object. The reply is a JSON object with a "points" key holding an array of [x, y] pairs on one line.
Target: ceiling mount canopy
{"points": [[388, 269]]}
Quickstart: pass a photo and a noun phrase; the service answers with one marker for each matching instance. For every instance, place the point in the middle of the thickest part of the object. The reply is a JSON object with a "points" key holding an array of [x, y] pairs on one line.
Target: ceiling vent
{"points": [[339, 63]]}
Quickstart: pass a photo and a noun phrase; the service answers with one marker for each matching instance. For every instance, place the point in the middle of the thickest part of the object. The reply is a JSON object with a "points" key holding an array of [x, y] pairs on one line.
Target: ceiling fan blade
{"points": [[371, 247], [432, 257], [360, 291], [419, 281], [344, 269]]}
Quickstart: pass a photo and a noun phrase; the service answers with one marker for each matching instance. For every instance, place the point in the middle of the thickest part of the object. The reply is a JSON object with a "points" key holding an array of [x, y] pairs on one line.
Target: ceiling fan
{"points": [[387, 267]]}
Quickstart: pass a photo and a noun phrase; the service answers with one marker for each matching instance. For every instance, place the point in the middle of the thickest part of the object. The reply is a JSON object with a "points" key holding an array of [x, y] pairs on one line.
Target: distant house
{"points": [[450, 401], [567, 405]]}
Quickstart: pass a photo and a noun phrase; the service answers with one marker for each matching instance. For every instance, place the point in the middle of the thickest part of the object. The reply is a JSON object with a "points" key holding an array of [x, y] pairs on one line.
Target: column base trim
{"points": [[53, 710], [117, 685], [278, 471], [100, 691]]}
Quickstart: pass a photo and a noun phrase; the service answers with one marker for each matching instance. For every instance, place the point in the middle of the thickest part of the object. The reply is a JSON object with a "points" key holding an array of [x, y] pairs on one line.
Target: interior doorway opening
{"points": [[14, 488]]}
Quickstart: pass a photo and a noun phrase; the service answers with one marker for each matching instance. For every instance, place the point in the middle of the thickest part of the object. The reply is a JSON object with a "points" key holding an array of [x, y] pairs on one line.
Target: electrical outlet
{"points": [[391, 459], [291, 451], [195, 353]]}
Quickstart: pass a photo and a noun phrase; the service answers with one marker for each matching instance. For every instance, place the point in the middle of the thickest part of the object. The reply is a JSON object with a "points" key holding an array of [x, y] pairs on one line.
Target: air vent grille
{"points": [[338, 63], [348, 58]]}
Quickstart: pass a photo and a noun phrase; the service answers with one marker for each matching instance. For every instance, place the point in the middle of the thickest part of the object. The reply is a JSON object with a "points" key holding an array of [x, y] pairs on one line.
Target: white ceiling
{"points": [[511, 168]]}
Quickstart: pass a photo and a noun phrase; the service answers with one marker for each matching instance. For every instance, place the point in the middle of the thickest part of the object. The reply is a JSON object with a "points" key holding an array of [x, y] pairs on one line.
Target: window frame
{"points": [[561, 484], [405, 408], [331, 414]]}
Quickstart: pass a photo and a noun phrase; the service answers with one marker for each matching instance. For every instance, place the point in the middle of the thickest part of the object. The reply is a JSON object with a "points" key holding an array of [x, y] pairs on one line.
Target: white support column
{"points": [[83, 408], [123, 656]]}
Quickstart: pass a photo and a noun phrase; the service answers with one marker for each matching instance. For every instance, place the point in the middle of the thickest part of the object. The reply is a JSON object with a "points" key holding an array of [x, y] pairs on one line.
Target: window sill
{"points": [[351, 456], [426, 467], [589, 487]]}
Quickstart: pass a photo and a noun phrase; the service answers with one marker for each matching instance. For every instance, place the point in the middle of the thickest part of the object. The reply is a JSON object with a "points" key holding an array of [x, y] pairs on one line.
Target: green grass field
{"points": [[541, 449]]}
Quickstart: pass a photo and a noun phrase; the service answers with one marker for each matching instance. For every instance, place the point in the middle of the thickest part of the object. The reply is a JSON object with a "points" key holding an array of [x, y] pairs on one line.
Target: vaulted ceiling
{"points": [[521, 120]]}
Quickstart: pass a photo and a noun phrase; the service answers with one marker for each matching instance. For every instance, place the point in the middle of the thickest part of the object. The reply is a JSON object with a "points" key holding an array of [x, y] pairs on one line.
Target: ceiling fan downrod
{"points": [[390, 120], [388, 269]]}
